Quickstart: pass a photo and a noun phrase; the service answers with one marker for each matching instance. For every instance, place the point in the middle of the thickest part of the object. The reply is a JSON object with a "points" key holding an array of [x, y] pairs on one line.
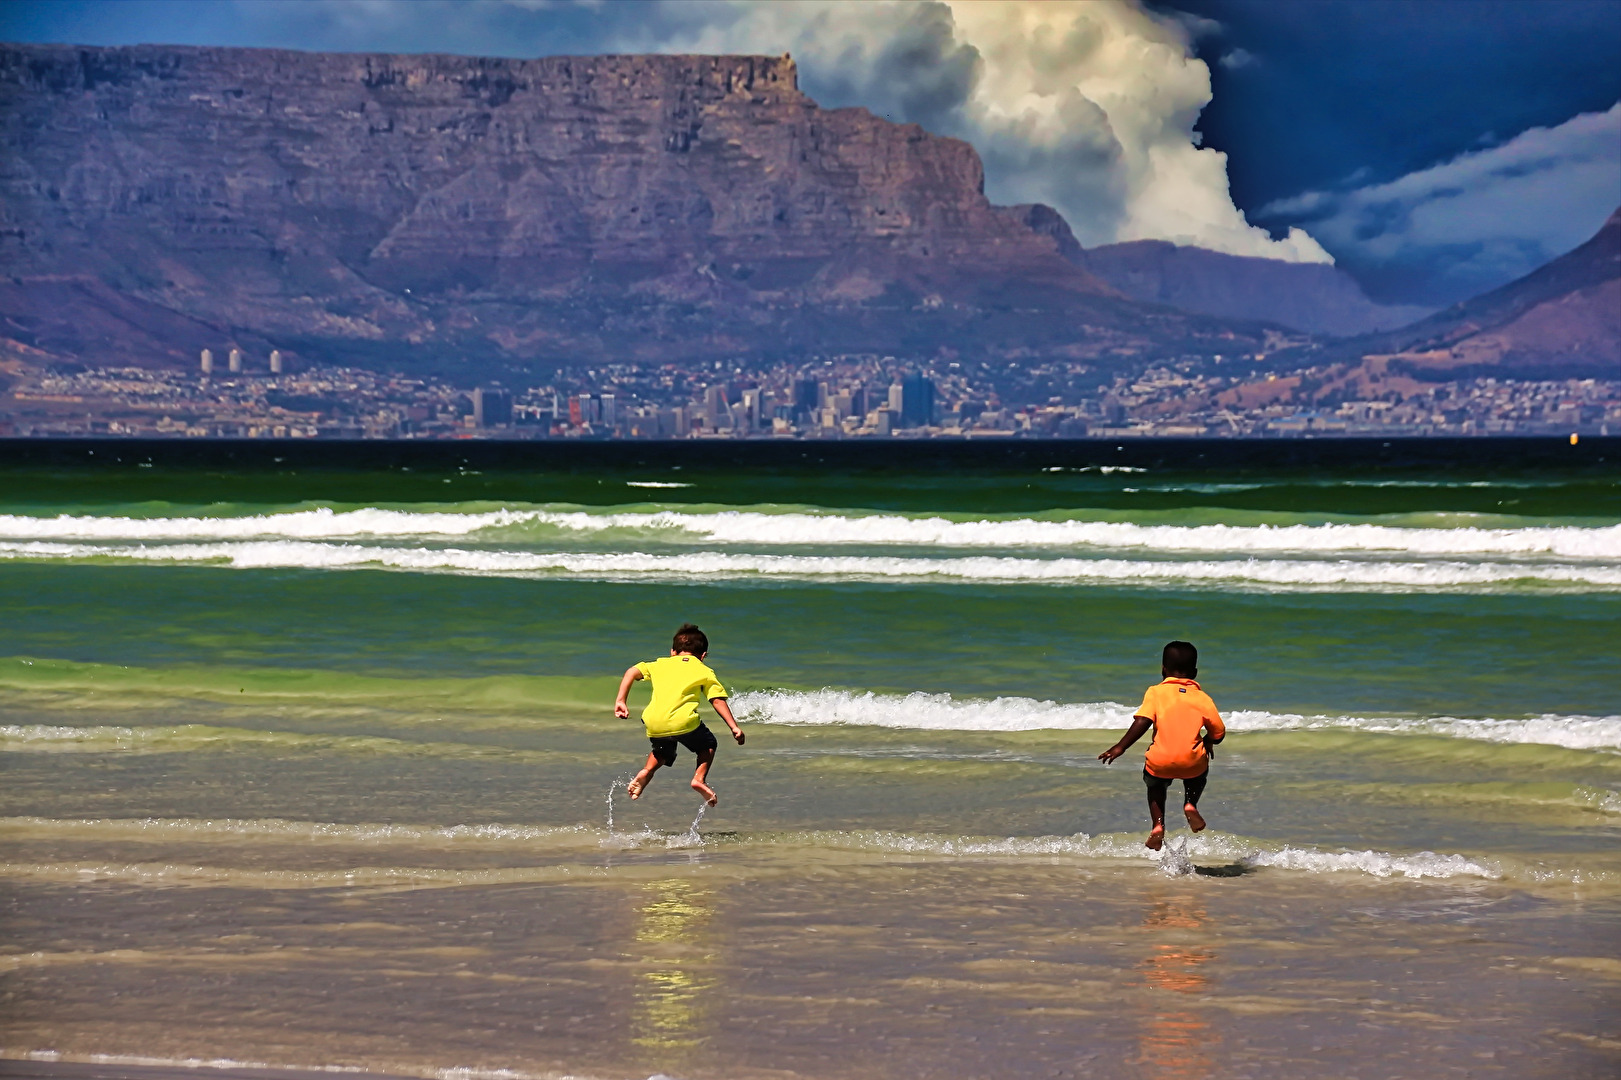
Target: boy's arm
{"points": [[632, 674], [1139, 725], [724, 711]]}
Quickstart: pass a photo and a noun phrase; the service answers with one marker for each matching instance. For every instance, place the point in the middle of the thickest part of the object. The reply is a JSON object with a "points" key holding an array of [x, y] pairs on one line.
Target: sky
{"points": [[1433, 149]]}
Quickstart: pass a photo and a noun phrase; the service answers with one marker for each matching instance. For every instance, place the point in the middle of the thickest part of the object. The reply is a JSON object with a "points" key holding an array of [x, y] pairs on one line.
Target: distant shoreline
{"points": [[856, 455]]}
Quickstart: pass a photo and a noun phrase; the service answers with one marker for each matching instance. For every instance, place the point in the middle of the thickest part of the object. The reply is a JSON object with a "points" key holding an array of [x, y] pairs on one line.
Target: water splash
{"points": [[611, 787], [691, 837], [1174, 860]]}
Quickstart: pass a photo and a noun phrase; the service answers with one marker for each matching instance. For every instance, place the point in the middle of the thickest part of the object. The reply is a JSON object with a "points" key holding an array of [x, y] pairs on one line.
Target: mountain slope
{"points": [[1562, 320], [1309, 297], [437, 210]]}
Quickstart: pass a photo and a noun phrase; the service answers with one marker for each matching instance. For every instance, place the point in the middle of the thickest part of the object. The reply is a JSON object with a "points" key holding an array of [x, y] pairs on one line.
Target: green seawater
{"points": [[331, 700]]}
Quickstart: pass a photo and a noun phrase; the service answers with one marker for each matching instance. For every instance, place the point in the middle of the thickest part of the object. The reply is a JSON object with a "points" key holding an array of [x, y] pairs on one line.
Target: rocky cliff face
{"points": [[347, 206]]}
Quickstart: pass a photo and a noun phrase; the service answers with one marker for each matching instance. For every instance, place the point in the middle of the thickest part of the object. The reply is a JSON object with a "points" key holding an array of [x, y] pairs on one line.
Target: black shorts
{"points": [[697, 740], [1192, 787]]}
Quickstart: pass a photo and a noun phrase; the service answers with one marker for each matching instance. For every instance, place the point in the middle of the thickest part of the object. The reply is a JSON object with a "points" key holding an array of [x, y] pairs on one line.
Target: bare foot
{"points": [[706, 791], [1195, 819], [635, 787], [1156, 839]]}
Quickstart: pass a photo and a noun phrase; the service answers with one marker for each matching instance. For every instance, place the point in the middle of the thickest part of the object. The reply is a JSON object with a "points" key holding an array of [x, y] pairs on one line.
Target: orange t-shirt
{"points": [[1181, 713]]}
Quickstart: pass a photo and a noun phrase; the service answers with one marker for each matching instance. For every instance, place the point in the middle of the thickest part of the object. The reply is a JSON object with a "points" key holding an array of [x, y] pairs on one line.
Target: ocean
{"points": [[309, 759]]}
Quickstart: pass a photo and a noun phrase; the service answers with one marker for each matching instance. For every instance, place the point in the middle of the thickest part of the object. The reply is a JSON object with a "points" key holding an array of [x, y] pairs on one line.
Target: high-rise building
{"points": [[275, 362], [492, 407], [917, 400], [608, 412], [207, 361], [751, 411], [896, 399], [717, 413], [805, 392], [235, 360]]}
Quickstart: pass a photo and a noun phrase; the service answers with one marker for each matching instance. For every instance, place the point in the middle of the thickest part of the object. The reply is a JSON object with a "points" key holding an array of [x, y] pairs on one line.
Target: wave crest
{"points": [[982, 569], [942, 712], [743, 527]]}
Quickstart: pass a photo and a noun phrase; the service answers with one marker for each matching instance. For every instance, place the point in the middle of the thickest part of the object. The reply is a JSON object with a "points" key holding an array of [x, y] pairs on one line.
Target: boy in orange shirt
{"points": [[1186, 728]]}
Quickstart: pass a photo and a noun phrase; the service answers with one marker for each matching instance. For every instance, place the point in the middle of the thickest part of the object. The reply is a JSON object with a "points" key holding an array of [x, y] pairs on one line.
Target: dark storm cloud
{"points": [[1482, 218], [1346, 95], [932, 74]]}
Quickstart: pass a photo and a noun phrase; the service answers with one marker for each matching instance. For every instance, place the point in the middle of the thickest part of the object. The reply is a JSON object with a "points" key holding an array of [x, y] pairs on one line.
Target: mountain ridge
{"points": [[1561, 320], [448, 209]]}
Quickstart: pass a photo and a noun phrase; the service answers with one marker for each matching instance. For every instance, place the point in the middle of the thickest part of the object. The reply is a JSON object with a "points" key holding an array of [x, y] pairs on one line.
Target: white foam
{"points": [[1176, 858], [927, 712], [736, 527], [1230, 849], [321, 523], [711, 565], [943, 712]]}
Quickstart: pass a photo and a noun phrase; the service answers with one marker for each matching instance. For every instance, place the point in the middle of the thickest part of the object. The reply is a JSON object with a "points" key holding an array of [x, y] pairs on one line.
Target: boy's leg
{"points": [[702, 743], [1156, 809], [639, 782], [1191, 790], [699, 775]]}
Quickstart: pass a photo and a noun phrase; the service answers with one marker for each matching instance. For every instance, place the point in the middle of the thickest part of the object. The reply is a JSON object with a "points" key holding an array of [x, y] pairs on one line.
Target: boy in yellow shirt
{"points": [[680, 681], [1186, 728]]}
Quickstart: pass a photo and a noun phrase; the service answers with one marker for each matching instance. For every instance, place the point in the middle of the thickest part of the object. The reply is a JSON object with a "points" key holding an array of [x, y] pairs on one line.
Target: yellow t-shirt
{"points": [[1181, 713], [679, 684]]}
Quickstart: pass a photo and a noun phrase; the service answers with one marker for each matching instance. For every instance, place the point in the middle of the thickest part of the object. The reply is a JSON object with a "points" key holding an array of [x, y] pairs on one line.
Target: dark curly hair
{"points": [[690, 639]]}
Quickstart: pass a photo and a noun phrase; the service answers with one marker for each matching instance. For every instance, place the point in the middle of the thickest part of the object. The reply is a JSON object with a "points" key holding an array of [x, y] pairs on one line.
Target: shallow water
{"points": [[315, 768]]}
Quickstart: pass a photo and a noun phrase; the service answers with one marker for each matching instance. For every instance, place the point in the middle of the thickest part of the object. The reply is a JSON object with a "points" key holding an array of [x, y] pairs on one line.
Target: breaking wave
{"points": [[711, 565], [942, 712], [740, 527]]}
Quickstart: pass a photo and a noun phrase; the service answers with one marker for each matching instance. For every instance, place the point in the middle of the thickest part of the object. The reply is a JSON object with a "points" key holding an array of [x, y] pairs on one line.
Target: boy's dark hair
{"points": [[1181, 660], [690, 639]]}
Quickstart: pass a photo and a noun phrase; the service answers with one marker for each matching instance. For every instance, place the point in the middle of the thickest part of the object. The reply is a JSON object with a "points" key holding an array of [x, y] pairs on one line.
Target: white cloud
{"points": [[1483, 218], [1086, 105]]}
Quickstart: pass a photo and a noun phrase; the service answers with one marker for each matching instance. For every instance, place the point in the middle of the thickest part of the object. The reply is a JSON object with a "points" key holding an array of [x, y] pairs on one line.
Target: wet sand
{"points": [[14, 1069], [704, 964]]}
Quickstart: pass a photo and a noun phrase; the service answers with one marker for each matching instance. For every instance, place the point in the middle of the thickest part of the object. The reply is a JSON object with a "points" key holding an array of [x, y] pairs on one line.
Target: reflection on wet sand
{"points": [[669, 991], [1175, 1042]]}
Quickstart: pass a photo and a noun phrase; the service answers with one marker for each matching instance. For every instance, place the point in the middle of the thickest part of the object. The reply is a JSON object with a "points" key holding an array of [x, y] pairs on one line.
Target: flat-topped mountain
{"points": [[427, 209]]}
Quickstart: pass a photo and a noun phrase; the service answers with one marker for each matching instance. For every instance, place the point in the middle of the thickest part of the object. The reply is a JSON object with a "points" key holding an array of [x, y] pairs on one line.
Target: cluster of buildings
{"points": [[230, 395], [1345, 401]]}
